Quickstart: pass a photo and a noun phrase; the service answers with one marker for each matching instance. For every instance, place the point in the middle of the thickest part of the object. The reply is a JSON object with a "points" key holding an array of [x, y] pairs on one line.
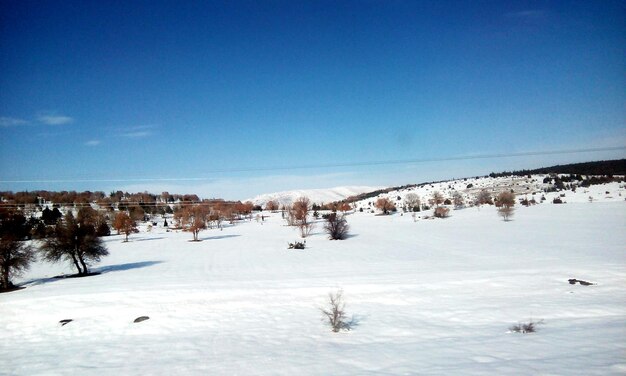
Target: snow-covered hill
{"points": [[532, 187], [318, 196]]}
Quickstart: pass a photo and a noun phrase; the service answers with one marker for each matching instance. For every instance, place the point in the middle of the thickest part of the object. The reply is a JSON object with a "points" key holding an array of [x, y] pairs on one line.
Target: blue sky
{"points": [[183, 96]]}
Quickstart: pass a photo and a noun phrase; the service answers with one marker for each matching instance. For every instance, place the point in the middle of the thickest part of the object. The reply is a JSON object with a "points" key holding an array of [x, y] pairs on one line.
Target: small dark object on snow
{"points": [[65, 321], [529, 327], [573, 281], [297, 245], [141, 318]]}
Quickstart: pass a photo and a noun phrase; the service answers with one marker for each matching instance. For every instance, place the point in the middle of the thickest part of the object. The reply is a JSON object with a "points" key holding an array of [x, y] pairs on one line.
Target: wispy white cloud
{"points": [[138, 131], [55, 119], [11, 122], [139, 134], [92, 143]]}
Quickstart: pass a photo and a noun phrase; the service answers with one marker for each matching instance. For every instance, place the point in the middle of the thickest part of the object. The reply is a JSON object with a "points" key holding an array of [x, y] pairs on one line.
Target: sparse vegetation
{"points": [[506, 204], [413, 202], [441, 212], [75, 242], [385, 205], [529, 327], [124, 224], [484, 197], [337, 227], [297, 245], [15, 258], [334, 313]]}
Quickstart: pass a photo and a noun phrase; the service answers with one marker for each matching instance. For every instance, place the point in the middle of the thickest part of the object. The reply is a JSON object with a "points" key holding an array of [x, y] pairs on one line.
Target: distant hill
{"points": [[318, 196]]}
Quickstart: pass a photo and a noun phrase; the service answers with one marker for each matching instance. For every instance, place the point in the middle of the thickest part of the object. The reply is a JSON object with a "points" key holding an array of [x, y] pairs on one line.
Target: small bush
{"points": [[297, 245], [441, 212], [337, 227], [557, 200], [335, 312], [529, 327]]}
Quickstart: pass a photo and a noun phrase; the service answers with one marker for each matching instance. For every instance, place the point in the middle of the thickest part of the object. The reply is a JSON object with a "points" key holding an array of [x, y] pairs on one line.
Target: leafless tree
{"points": [[484, 197], [194, 219], [74, 242], [441, 212], [301, 208], [457, 199], [271, 206], [337, 227], [437, 198], [123, 223], [344, 207], [335, 312], [15, 257], [385, 205], [306, 228], [413, 201], [506, 204]]}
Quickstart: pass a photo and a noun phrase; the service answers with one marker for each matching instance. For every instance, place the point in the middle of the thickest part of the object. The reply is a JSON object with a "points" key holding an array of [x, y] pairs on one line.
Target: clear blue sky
{"points": [[101, 94]]}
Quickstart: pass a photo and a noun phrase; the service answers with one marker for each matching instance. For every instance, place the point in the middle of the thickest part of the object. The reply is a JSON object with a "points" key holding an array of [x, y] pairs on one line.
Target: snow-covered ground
{"points": [[427, 297]]}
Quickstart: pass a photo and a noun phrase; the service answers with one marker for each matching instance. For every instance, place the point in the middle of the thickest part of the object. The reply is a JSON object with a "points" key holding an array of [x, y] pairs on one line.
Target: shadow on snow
{"points": [[92, 272], [220, 237]]}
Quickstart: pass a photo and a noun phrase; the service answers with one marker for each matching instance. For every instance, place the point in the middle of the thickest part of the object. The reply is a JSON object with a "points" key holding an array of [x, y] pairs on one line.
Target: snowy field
{"points": [[431, 297]]}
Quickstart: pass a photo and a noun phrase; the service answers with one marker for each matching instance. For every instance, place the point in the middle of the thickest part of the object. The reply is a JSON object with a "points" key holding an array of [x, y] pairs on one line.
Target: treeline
{"points": [[598, 168], [73, 197]]}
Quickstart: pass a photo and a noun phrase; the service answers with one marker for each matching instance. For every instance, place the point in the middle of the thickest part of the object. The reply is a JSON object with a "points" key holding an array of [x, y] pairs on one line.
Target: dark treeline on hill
{"points": [[604, 168]]}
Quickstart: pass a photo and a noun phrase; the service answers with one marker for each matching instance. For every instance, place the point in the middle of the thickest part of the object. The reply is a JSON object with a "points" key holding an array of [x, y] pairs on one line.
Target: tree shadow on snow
{"points": [[128, 266], [93, 272], [144, 239], [220, 237], [354, 322]]}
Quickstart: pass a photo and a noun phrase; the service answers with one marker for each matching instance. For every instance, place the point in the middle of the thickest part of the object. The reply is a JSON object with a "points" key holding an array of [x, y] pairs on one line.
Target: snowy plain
{"points": [[426, 296]]}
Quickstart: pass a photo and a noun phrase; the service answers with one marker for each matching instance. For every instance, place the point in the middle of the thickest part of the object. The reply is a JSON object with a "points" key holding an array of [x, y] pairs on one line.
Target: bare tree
{"points": [[437, 198], [74, 242], [123, 223], [306, 228], [301, 208], [194, 219], [335, 312], [337, 227], [271, 205], [385, 205], [506, 204], [344, 207], [15, 257], [413, 201], [484, 197], [458, 200], [441, 212]]}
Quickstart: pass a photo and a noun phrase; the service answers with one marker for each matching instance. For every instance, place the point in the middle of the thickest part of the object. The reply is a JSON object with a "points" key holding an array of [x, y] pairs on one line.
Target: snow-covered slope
{"points": [[524, 187], [430, 297], [318, 196]]}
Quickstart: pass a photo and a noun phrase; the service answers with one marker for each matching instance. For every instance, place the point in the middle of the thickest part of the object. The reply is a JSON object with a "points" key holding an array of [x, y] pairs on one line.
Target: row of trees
{"points": [[298, 214], [505, 201]]}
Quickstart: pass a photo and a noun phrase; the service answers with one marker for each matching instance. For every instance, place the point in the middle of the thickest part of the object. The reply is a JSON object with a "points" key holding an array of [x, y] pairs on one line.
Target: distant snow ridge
{"points": [[318, 196]]}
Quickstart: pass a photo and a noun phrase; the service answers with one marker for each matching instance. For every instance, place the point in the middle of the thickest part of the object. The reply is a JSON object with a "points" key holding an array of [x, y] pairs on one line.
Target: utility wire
{"points": [[330, 165]]}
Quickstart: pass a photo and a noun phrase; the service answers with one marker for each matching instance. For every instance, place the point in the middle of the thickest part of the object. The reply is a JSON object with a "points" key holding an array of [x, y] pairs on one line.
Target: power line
{"points": [[321, 166]]}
